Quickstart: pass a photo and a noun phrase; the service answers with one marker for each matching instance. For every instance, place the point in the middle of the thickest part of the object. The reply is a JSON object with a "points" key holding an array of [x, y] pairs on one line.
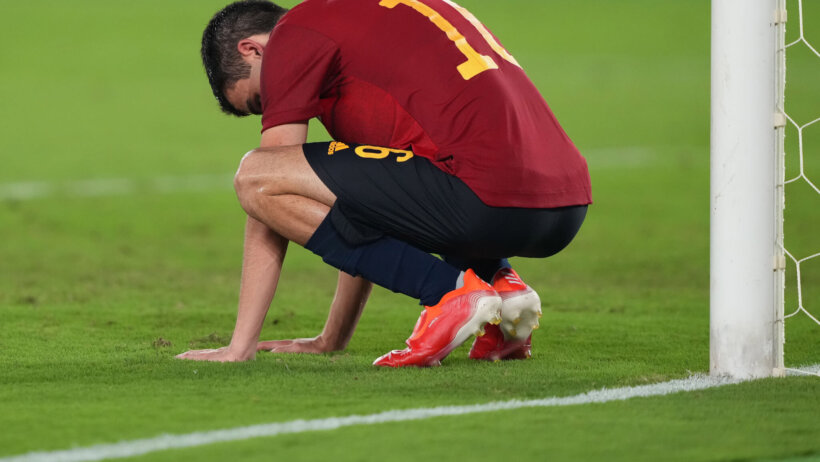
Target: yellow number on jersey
{"points": [[476, 63], [484, 32], [378, 152]]}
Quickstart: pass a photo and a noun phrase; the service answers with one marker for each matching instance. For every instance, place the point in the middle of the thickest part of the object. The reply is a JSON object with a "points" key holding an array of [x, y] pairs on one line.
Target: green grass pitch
{"points": [[98, 291]]}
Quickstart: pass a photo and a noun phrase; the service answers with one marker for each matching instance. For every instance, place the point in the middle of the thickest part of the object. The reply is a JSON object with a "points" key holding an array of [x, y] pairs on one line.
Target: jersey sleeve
{"points": [[298, 65]]}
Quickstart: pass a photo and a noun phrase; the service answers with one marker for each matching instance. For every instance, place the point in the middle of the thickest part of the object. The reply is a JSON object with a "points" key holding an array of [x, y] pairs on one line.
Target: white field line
{"points": [[164, 442], [804, 370], [28, 190]]}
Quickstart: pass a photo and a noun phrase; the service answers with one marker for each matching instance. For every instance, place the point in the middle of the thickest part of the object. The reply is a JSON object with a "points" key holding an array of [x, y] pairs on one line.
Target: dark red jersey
{"points": [[426, 75]]}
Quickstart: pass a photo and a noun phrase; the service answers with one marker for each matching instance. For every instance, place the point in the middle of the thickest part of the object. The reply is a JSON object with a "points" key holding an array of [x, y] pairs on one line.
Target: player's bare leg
{"points": [[272, 183], [278, 187], [277, 217]]}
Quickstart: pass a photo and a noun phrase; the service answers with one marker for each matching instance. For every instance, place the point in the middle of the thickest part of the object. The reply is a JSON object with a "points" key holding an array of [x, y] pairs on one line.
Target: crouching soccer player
{"points": [[445, 147]]}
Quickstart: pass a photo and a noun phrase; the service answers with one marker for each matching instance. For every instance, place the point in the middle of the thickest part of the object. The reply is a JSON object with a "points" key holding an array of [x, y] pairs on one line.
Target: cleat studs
{"points": [[536, 327], [496, 320], [516, 321], [540, 314], [512, 332], [479, 333]]}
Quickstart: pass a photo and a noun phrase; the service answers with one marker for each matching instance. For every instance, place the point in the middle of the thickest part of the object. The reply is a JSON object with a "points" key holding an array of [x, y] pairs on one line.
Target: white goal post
{"points": [[747, 176]]}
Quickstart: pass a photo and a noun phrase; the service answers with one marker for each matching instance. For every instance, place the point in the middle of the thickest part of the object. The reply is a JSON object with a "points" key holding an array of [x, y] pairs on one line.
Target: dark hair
{"points": [[221, 59]]}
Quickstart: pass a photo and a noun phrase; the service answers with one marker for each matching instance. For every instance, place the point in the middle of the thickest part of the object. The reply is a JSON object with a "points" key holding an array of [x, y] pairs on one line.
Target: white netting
{"points": [[801, 309]]}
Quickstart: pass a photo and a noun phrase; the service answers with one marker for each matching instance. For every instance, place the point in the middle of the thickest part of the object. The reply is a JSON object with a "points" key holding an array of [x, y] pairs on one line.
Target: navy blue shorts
{"points": [[383, 191]]}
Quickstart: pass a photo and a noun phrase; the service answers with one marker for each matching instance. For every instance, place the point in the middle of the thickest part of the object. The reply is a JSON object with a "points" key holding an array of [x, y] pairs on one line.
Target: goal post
{"points": [[747, 261]]}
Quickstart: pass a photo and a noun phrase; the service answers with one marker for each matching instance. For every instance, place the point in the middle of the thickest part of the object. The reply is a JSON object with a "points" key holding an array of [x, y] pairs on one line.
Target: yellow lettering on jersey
{"points": [[476, 63], [378, 152], [336, 146], [484, 32]]}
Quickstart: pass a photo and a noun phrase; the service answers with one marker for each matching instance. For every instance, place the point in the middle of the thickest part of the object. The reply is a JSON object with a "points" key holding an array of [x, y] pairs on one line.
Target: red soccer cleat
{"points": [[520, 310], [443, 327]]}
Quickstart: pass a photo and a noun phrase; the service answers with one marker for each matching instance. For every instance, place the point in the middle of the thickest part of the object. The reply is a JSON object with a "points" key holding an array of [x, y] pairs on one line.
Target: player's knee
{"points": [[262, 173], [249, 182]]}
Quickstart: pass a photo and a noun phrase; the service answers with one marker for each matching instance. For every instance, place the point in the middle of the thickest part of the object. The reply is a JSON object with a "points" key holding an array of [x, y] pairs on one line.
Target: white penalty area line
{"points": [[165, 442], [28, 190]]}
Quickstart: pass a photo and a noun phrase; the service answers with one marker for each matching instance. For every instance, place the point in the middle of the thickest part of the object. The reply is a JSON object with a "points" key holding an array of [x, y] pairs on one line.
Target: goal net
{"points": [[801, 238], [764, 151]]}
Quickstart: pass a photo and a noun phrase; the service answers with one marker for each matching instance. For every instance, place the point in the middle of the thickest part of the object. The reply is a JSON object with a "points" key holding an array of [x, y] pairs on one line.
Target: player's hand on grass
{"points": [[222, 355], [299, 345]]}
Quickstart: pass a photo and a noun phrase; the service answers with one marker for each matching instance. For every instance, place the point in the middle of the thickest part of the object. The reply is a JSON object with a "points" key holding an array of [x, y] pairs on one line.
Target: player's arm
{"points": [[348, 304], [345, 310], [262, 258]]}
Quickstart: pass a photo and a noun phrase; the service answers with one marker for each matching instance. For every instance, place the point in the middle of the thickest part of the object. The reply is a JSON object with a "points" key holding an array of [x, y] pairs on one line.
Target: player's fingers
{"points": [[193, 354], [296, 347], [277, 345], [270, 345]]}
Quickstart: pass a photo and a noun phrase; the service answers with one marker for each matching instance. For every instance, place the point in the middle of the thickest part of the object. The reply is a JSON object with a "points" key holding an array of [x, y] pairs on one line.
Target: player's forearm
{"points": [[264, 252], [262, 259], [348, 304]]}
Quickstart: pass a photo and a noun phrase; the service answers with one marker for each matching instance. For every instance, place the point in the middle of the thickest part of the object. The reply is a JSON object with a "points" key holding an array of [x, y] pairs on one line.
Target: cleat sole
{"points": [[520, 310]]}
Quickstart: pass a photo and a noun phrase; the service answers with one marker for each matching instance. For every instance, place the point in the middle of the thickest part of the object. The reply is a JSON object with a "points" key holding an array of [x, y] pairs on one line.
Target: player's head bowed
{"points": [[223, 62]]}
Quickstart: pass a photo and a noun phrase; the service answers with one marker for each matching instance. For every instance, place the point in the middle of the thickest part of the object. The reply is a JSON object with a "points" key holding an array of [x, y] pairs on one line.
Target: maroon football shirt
{"points": [[423, 74]]}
